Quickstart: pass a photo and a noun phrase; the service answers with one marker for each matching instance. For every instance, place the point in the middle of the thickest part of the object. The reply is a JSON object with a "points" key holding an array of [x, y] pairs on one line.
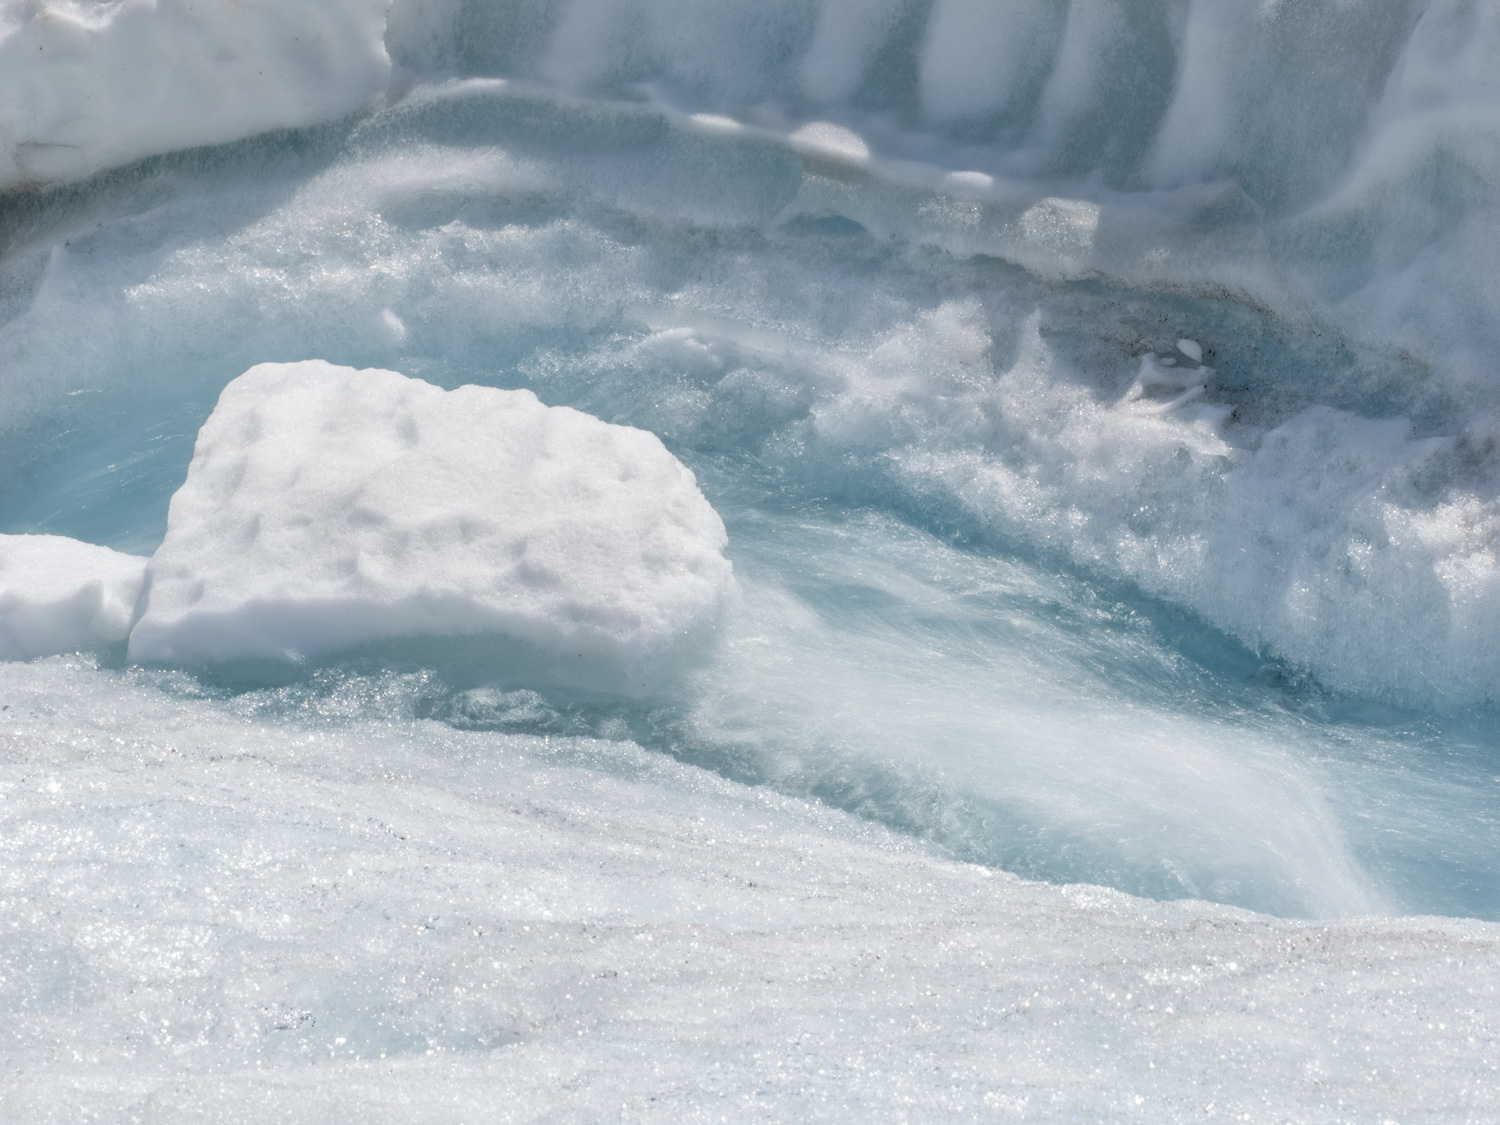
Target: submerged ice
{"points": [[1100, 401]]}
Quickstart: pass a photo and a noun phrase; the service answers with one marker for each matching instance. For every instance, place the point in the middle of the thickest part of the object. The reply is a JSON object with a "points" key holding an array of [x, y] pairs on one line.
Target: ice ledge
{"points": [[60, 595], [88, 87]]}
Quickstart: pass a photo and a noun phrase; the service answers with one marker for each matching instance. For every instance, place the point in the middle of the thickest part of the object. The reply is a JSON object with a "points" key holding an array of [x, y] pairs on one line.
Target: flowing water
{"points": [[1106, 446]]}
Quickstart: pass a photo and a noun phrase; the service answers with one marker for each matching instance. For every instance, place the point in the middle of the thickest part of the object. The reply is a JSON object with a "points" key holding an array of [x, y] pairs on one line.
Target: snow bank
{"points": [[344, 913], [327, 507], [60, 595], [87, 86]]}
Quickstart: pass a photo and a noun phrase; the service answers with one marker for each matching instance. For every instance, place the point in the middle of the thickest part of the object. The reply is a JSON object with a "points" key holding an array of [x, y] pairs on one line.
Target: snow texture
{"points": [[327, 507], [60, 595], [287, 907], [86, 85], [1102, 399]]}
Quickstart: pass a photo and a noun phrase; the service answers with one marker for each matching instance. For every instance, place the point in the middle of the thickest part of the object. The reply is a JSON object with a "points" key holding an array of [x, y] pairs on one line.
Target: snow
{"points": [[60, 595], [296, 905], [921, 291], [86, 86], [327, 507], [823, 138]]}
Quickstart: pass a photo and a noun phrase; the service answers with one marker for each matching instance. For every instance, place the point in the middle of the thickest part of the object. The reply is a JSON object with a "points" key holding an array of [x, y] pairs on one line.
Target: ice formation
{"points": [[1101, 400], [290, 906], [86, 86], [327, 507], [60, 595]]}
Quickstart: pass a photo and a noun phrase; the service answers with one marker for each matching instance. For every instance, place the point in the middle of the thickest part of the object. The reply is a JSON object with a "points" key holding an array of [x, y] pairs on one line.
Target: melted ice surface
{"points": [[285, 903]]}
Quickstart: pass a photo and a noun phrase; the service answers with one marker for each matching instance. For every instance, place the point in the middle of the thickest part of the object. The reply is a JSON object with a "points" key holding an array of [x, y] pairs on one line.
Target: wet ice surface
{"points": [[300, 905]]}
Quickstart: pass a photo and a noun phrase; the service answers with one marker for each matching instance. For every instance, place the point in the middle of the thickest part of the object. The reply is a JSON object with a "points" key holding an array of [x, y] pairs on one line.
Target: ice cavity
{"points": [[87, 86], [327, 507], [59, 595]]}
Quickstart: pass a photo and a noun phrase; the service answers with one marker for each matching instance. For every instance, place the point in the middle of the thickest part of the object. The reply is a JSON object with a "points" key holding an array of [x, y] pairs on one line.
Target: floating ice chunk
{"points": [[61, 595], [85, 87], [681, 348], [823, 138], [1192, 349], [327, 507], [716, 123], [1065, 225], [978, 182], [392, 327]]}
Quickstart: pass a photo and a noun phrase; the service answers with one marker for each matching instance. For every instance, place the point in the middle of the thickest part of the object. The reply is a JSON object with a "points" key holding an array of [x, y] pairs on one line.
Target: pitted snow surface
{"points": [[327, 507]]}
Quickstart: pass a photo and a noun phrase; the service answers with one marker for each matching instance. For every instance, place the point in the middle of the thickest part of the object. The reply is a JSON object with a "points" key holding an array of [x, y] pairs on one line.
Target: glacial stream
{"points": [[1108, 459]]}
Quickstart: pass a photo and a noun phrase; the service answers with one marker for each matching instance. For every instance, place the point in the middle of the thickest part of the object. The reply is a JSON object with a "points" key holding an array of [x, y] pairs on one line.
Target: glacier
{"points": [[1096, 403]]}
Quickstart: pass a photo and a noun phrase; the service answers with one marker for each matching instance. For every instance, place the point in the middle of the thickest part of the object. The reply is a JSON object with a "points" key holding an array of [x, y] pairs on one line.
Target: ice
{"points": [[327, 507], [60, 595], [289, 904], [86, 86], [823, 138], [1100, 400]]}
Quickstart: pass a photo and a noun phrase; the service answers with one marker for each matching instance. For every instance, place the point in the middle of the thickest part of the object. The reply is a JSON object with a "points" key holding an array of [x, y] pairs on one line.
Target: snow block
{"points": [[327, 508], [61, 595]]}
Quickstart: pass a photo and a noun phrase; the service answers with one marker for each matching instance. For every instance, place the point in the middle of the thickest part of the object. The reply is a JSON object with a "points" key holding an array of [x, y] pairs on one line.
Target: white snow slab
{"points": [[327, 507], [61, 595], [88, 86]]}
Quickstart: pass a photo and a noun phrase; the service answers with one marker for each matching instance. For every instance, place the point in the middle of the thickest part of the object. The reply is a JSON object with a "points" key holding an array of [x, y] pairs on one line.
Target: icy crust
{"points": [[288, 906], [86, 86], [60, 595], [327, 507]]}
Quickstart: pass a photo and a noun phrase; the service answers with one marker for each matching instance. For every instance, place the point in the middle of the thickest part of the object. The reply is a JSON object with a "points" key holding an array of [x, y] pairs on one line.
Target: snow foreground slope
{"points": [[326, 508], [278, 905]]}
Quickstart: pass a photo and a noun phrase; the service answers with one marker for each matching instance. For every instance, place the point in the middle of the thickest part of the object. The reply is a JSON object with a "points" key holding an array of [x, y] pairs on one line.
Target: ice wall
{"points": [[87, 85], [1144, 93]]}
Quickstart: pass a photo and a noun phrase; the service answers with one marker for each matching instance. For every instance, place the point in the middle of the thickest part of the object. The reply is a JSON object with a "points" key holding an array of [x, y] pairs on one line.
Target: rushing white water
{"points": [[1101, 402]]}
